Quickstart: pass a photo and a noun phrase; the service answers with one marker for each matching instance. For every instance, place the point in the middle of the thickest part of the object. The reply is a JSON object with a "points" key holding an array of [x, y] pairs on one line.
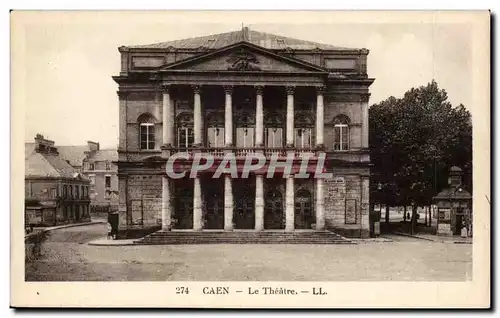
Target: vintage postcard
{"points": [[250, 159]]}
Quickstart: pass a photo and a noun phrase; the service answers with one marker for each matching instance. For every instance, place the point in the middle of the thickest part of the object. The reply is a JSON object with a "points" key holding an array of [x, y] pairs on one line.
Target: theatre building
{"points": [[243, 92]]}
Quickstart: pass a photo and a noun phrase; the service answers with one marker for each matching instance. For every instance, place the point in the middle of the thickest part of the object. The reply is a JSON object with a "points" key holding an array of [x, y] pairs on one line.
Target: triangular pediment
{"points": [[244, 57]]}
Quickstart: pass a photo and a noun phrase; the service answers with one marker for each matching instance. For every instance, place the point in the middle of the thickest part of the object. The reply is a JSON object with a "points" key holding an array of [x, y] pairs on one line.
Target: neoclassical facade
{"points": [[243, 92]]}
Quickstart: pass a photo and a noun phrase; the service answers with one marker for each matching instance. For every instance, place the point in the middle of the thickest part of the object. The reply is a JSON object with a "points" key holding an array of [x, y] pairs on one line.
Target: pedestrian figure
{"points": [[110, 231]]}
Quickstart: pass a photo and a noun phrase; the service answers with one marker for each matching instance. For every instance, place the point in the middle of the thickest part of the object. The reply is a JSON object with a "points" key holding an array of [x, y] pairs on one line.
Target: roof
{"points": [[455, 169], [48, 165], [29, 148], [104, 155], [453, 194], [265, 40], [75, 154]]}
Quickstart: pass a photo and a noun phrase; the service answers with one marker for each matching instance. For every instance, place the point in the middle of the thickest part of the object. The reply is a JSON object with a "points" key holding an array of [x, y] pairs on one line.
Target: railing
{"points": [[243, 152]]}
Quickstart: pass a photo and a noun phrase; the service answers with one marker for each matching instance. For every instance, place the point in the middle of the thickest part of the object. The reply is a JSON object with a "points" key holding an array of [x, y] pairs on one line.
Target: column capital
{"points": [[165, 87], [228, 89], [290, 90], [196, 88], [259, 89], [320, 89]]}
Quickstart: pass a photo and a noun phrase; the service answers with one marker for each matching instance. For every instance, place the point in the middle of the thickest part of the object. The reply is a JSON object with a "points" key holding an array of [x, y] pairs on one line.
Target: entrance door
{"points": [[459, 219], [213, 194], [304, 213], [183, 212], [244, 201], [274, 217]]}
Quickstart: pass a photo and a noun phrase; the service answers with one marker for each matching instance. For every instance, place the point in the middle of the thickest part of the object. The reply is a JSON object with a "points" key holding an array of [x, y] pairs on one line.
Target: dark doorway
{"points": [[244, 203], [274, 217], [304, 213], [182, 217], [213, 195]]}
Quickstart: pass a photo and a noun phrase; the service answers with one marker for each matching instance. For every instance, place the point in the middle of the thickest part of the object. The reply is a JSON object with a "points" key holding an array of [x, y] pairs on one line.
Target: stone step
{"points": [[243, 237]]}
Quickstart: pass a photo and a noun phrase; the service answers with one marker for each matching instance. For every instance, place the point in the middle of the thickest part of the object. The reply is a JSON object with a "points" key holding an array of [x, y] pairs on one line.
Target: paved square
{"points": [[67, 257]]}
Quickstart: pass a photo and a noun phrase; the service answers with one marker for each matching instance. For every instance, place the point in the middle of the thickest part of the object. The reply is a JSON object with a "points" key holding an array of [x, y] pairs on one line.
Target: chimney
{"points": [[92, 146], [43, 145], [244, 32]]}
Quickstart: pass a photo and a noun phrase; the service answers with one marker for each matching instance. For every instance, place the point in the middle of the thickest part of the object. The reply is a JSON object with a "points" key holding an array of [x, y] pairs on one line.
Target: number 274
{"points": [[182, 290]]}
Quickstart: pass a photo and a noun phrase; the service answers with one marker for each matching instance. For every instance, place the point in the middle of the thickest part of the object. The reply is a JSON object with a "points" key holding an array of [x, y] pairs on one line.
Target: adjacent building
{"points": [[55, 192], [243, 92], [99, 166], [454, 204]]}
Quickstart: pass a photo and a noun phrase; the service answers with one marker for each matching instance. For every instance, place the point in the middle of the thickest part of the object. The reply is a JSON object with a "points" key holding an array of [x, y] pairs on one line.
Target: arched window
{"points": [[341, 133], [147, 131], [304, 126], [273, 132], [245, 130], [215, 130], [185, 131]]}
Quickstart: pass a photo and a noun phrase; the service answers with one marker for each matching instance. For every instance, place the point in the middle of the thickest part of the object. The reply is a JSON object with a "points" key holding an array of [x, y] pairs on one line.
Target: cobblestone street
{"points": [[66, 256]]}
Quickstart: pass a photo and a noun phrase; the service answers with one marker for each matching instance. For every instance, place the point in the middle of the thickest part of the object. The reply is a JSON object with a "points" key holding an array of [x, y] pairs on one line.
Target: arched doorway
{"points": [[183, 212], [274, 217], [304, 213]]}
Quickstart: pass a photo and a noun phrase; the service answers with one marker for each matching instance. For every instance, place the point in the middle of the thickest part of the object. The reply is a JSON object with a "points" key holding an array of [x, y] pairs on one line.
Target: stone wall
{"points": [[346, 202], [144, 200]]}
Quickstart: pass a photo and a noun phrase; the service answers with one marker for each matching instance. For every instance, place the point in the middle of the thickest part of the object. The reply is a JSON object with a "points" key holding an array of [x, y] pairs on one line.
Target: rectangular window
{"points": [[108, 181], [185, 137], [53, 192], [274, 137], [341, 138], [91, 166], [215, 137], [245, 137], [108, 166], [147, 136], [303, 137], [77, 192]]}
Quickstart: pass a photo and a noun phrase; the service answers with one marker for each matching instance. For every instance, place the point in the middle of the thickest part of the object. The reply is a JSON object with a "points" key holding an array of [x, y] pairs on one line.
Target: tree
{"points": [[413, 142]]}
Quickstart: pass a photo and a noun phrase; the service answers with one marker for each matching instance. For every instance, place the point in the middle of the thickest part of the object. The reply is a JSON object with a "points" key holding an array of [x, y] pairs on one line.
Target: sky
{"points": [[69, 64]]}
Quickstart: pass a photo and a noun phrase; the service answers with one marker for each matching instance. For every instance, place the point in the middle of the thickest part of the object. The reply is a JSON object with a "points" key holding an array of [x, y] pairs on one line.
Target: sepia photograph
{"points": [[269, 149]]}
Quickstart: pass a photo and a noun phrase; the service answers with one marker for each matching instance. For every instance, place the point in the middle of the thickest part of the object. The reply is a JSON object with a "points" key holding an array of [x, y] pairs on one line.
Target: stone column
{"points": [[166, 205], [167, 117], [197, 204], [320, 114], [228, 120], [228, 203], [259, 117], [320, 205], [259, 202], [290, 205], [364, 124], [289, 115], [198, 133]]}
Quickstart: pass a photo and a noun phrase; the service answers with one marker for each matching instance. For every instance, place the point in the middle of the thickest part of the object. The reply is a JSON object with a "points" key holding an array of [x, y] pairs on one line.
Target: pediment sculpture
{"points": [[243, 60]]}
